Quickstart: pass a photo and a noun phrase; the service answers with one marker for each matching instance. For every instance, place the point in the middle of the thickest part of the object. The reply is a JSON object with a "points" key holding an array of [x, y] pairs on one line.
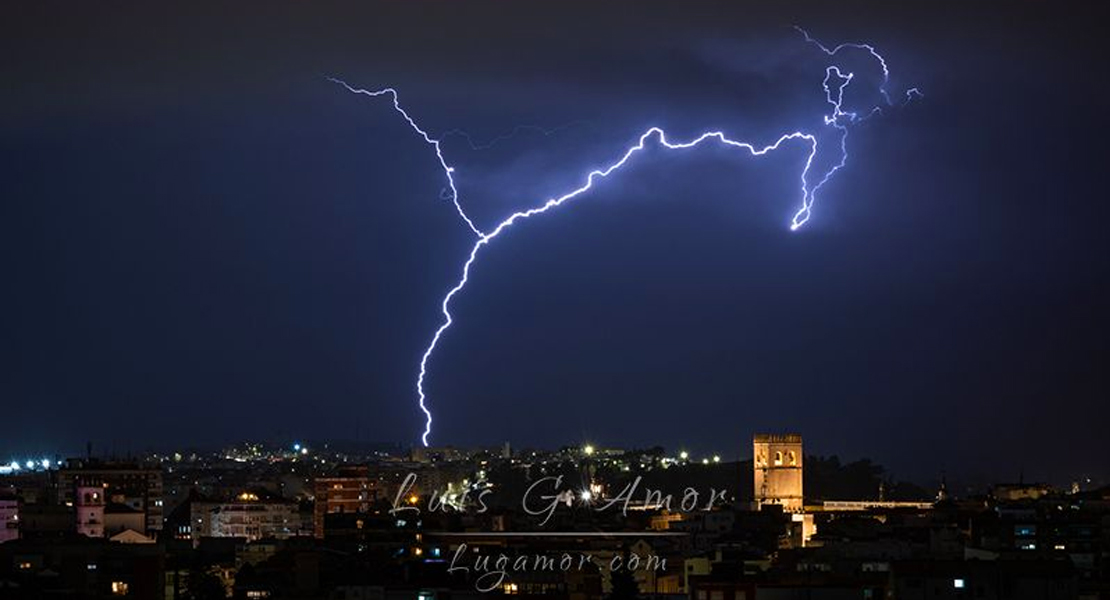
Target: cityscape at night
{"points": [[563, 301]]}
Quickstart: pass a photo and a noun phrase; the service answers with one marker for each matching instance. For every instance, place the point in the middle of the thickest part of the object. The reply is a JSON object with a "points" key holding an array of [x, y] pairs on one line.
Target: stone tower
{"points": [[777, 465]]}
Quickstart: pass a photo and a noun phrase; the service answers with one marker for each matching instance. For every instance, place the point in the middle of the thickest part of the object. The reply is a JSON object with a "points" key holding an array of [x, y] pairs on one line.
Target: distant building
{"points": [[871, 505], [138, 486], [352, 491], [1014, 492], [9, 519], [45, 520], [424, 454], [89, 502], [777, 466], [250, 515], [119, 518]]}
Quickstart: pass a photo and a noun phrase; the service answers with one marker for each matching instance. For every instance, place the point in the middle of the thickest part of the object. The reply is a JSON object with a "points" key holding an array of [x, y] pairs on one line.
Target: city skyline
{"points": [[444, 522]]}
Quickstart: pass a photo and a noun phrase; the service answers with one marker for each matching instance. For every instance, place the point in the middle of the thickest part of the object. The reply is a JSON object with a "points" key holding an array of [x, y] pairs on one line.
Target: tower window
{"points": [[778, 458]]}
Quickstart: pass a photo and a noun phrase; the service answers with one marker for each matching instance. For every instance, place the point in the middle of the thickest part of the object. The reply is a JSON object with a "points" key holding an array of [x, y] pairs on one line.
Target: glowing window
{"points": [[120, 588]]}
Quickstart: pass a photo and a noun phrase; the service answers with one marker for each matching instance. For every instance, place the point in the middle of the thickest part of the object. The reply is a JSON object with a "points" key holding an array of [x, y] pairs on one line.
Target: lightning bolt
{"points": [[452, 192], [857, 46], [834, 84]]}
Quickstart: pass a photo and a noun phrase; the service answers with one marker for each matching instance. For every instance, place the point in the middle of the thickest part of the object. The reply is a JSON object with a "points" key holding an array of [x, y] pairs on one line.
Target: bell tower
{"points": [[777, 465]]}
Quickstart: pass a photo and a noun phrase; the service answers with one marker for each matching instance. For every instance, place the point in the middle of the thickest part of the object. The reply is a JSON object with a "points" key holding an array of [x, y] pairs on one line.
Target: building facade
{"points": [[89, 504], [351, 491], [249, 515], [777, 466], [9, 519], [135, 485]]}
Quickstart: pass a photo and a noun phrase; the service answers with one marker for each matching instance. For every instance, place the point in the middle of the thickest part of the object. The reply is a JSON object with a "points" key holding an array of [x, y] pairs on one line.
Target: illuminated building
{"points": [[89, 501], [352, 491], [777, 465], [250, 514], [137, 486], [9, 519]]}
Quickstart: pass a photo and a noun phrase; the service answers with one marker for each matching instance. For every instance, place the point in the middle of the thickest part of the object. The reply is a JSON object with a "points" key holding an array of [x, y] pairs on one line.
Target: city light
{"points": [[716, 458], [684, 455], [589, 450]]}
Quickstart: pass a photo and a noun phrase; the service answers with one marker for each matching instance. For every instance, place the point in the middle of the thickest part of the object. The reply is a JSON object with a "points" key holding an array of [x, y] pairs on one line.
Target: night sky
{"points": [[202, 240]]}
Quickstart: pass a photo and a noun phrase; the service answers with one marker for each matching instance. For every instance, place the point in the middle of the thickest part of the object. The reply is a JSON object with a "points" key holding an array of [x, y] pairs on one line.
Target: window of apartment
{"points": [[120, 588]]}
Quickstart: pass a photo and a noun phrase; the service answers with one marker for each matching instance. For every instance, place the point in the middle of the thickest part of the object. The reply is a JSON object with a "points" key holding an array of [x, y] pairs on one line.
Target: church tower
{"points": [[777, 464], [90, 509]]}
